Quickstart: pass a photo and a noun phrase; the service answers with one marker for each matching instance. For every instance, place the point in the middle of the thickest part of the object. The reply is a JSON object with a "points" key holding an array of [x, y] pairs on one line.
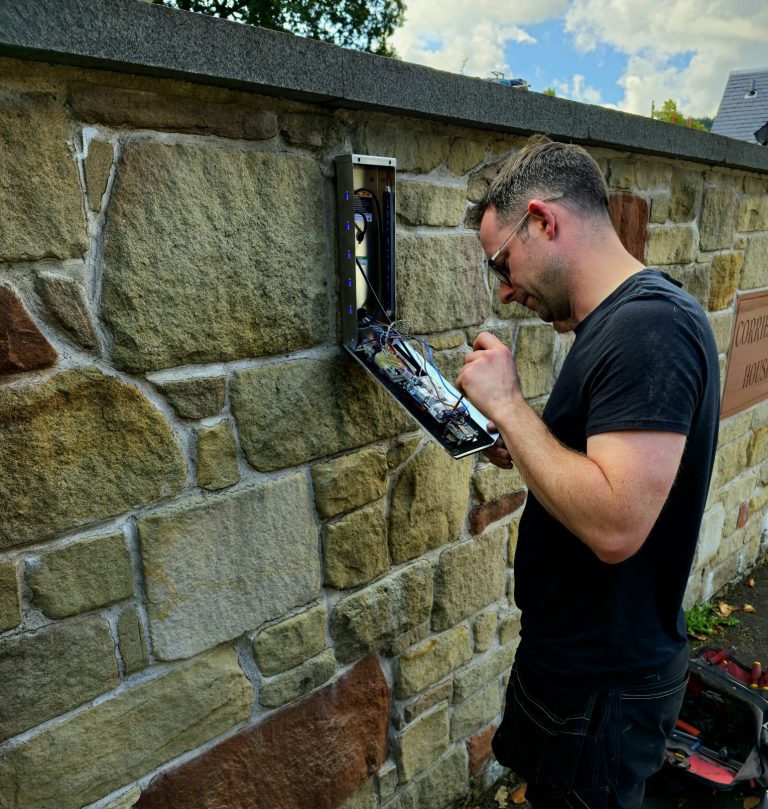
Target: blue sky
{"points": [[617, 53]]}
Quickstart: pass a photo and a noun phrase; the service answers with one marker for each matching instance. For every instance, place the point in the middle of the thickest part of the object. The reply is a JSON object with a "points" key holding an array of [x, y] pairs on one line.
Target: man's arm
{"points": [[609, 498]]}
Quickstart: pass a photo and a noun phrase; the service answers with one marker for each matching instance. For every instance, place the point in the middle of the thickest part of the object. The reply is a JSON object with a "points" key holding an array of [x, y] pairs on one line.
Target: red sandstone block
{"points": [[479, 749], [482, 516], [22, 346], [743, 515], [629, 215], [316, 754]]}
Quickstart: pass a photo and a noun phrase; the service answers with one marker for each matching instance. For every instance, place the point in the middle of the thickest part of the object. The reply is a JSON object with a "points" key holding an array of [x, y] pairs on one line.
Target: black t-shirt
{"points": [[644, 359]]}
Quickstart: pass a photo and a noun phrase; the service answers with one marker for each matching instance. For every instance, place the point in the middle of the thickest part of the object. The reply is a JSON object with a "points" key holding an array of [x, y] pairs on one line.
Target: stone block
{"points": [[686, 195], [431, 661], [402, 449], [440, 693], [491, 482], [734, 427], [652, 174], [355, 547], [450, 363], [10, 608], [479, 749], [387, 779], [307, 129], [753, 271], [445, 784], [726, 572], [22, 345], [428, 503], [722, 324], [299, 681], [356, 410], [364, 798], [96, 168], [79, 447], [66, 301], [659, 210], [695, 279], [710, 534], [717, 213], [621, 174], [483, 515], [81, 576], [422, 743], [514, 531], [350, 481], [369, 619], [450, 339], [292, 641], [477, 710], [318, 752], [145, 109], [484, 629], [195, 398], [216, 567], [95, 752], [417, 150], [127, 799], [464, 155], [509, 630], [41, 198], [755, 184], [430, 205], [730, 461], [131, 640], [483, 671], [670, 246], [450, 298], [629, 214], [468, 577], [757, 451], [534, 355], [753, 213], [726, 270], [505, 333], [217, 457], [402, 642], [52, 670], [185, 283]]}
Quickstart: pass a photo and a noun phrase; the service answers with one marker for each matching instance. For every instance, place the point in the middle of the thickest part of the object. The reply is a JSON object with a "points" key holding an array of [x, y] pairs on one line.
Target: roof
{"points": [[744, 105]]}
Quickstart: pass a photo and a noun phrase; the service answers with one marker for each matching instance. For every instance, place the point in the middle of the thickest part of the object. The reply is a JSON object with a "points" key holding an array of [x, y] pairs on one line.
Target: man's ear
{"points": [[542, 217]]}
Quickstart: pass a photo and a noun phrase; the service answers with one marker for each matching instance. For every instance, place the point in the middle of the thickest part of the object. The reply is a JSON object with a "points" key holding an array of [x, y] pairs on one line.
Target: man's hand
{"points": [[498, 454], [489, 377]]}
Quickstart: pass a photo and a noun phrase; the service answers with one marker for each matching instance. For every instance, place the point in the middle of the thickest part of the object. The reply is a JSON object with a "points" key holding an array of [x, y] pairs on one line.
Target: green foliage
{"points": [[704, 620], [670, 113], [362, 24], [550, 92]]}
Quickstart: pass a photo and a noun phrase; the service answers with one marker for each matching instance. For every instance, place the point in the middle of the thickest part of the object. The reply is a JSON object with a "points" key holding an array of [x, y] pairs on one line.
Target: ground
{"points": [[672, 790]]}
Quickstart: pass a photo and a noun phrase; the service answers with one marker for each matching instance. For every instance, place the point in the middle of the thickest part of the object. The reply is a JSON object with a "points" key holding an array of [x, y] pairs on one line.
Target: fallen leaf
{"points": [[518, 796], [698, 636], [501, 797], [748, 608], [750, 582], [751, 802], [725, 609]]}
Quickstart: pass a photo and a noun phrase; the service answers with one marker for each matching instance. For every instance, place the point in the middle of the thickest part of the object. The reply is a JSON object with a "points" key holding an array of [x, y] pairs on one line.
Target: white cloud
{"points": [[717, 35], [577, 89]]}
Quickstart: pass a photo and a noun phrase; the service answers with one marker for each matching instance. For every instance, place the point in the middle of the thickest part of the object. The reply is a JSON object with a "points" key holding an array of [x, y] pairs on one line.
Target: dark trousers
{"points": [[584, 749]]}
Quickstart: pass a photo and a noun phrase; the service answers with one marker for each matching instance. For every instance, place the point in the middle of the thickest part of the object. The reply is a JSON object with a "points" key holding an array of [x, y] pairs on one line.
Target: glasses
{"points": [[499, 272]]}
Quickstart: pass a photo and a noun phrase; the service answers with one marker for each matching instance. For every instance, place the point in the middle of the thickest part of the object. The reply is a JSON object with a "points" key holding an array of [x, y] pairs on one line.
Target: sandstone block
{"points": [[686, 195], [355, 410], [132, 644], [695, 279], [96, 168], [50, 671], [440, 693], [477, 710], [491, 482], [217, 457], [82, 576], [505, 333], [119, 106], [429, 502], [350, 481], [355, 547], [291, 642], [450, 362], [726, 269], [336, 739], [402, 449], [444, 784], [757, 451], [484, 628], [621, 174], [755, 261], [753, 213], [10, 609], [482, 672], [755, 184], [126, 800], [370, 618], [670, 246], [416, 150], [41, 198], [22, 345], [216, 567], [483, 515], [716, 227], [387, 779], [509, 630], [534, 354], [448, 299], [479, 182], [629, 214], [464, 155], [514, 531], [422, 743], [80, 447], [185, 283], [652, 175], [364, 798], [66, 300], [195, 398], [299, 681], [722, 324], [730, 460], [659, 210], [468, 578], [431, 661], [479, 749], [430, 205], [103, 748], [309, 130]]}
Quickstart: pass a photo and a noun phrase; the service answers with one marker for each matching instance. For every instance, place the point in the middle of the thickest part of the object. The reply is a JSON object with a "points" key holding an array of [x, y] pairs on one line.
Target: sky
{"points": [[622, 54]]}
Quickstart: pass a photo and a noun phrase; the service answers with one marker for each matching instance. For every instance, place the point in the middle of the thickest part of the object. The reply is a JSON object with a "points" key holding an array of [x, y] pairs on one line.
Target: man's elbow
{"points": [[614, 548]]}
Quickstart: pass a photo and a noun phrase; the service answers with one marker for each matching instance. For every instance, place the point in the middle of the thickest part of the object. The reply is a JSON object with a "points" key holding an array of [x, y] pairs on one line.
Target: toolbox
{"points": [[721, 736]]}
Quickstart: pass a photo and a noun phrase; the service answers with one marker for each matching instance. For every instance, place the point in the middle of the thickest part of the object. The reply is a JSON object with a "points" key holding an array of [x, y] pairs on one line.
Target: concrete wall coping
{"points": [[136, 37]]}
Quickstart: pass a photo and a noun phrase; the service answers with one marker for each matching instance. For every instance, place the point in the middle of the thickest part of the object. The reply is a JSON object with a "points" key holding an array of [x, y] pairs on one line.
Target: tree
{"points": [[550, 92], [362, 24], [670, 113]]}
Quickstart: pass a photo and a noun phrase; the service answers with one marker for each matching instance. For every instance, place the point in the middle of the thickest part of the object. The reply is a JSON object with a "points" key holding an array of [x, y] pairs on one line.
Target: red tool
{"points": [[723, 654], [686, 728], [757, 670]]}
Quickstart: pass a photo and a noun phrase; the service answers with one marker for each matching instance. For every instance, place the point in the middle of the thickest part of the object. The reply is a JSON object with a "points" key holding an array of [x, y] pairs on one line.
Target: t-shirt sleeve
{"points": [[651, 372]]}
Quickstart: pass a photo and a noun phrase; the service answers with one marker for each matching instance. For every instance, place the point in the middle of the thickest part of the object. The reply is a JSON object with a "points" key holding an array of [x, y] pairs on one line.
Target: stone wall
{"points": [[232, 572]]}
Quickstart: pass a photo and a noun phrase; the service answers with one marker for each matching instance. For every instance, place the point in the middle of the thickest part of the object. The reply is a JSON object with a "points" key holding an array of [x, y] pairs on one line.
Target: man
{"points": [[617, 469]]}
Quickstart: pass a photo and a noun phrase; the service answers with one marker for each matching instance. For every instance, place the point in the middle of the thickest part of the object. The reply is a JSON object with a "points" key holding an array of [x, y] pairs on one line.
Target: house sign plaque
{"points": [[746, 378]]}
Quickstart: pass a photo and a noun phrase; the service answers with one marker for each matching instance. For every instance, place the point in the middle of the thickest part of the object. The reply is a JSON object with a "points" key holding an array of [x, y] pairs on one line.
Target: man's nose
{"points": [[506, 293]]}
